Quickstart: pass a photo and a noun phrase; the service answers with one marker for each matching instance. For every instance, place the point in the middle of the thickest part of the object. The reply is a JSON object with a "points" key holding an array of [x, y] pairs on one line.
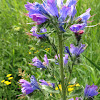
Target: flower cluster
{"points": [[38, 63], [90, 91], [63, 14], [29, 87], [58, 17], [75, 51], [9, 78]]}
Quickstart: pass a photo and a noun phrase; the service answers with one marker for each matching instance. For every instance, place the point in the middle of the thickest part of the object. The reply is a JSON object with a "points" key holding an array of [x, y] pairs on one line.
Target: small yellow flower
{"points": [[60, 86], [41, 46], [70, 89], [46, 49], [29, 53], [2, 81], [50, 94], [10, 78], [32, 48], [54, 76], [8, 75], [56, 88], [77, 84], [37, 51], [7, 82], [71, 85], [17, 28]]}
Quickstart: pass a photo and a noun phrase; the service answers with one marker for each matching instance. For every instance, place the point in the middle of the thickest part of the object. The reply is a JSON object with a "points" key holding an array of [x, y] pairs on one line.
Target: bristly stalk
{"points": [[60, 38]]}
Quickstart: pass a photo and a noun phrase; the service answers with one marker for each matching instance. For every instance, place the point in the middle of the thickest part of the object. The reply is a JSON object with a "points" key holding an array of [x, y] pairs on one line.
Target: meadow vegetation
{"points": [[17, 48]]}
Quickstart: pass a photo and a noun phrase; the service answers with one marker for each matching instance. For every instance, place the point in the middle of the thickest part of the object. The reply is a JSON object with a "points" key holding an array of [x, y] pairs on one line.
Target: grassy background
{"points": [[15, 45]]}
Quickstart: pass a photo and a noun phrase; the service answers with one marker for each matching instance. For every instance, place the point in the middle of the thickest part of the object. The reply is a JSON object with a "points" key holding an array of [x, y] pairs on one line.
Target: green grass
{"points": [[15, 46]]}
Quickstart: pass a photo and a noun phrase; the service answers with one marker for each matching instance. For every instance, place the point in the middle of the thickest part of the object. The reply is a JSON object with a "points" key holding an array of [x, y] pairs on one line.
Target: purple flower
{"points": [[43, 82], [34, 83], [37, 63], [75, 50], [27, 87], [29, 6], [35, 8], [43, 30], [63, 13], [59, 3], [76, 27], [90, 91], [72, 11], [38, 18], [65, 59], [67, 50], [37, 12], [50, 6], [85, 16], [69, 3], [46, 60]]}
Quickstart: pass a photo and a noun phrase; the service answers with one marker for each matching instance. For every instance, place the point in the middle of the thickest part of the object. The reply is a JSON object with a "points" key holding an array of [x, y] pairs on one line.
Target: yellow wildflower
{"points": [[7, 82], [71, 85], [29, 53], [8, 75], [10, 78], [50, 94], [2, 81], [37, 51], [60, 86], [77, 84], [54, 76], [17, 28], [70, 89], [46, 49], [41, 46], [32, 48], [56, 88]]}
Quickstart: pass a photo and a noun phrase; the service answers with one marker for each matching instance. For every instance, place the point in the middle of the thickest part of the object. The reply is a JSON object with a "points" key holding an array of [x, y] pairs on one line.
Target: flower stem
{"points": [[60, 37]]}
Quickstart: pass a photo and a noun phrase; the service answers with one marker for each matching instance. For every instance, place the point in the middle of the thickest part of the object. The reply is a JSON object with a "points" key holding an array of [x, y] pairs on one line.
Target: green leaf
{"points": [[96, 66], [49, 89]]}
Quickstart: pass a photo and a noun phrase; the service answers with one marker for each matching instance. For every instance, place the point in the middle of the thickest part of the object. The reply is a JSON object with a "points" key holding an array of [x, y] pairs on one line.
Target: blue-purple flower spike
{"points": [[69, 3], [34, 83], [76, 27], [43, 82], [75, 50], [37, 63], [51, 7], [46, 60], [28, 87], [65, 59], [85, 16], [43, 30], [90, 91]]}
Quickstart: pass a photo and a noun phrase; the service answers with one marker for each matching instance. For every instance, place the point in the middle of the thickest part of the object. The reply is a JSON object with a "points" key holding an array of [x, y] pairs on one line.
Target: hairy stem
{"points": [[60, 37]]}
